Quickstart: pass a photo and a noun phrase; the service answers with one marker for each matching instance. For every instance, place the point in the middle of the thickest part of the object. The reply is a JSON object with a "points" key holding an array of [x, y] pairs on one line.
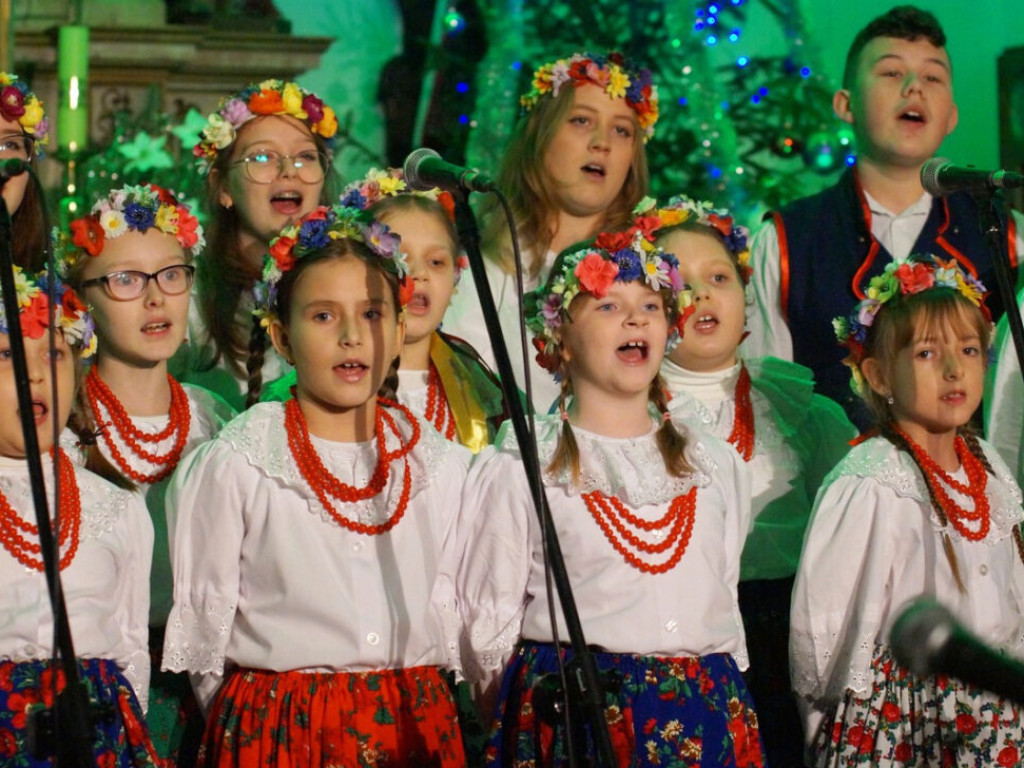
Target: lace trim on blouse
{"points": [[103, 504], [879, 459], [259, 435], [205, 637], [630, 468]]}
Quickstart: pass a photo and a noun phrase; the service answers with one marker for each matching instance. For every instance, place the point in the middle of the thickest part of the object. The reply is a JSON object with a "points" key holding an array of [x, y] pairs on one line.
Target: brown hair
{"points": [[28, 230], [82, 423], [224, 274], [336, 249], [904, 22], [523, 180]]}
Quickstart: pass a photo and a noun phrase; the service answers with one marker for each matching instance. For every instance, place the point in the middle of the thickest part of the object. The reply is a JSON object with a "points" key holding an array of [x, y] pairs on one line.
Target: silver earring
{"points": [[890, 400]]}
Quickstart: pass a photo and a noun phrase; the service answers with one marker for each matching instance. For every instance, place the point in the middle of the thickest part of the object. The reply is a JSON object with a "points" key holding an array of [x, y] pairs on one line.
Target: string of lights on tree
{"points": [[745, 133]]}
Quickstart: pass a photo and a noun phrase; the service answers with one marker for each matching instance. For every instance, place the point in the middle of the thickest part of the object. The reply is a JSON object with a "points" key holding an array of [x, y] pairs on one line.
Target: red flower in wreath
{"points": [[281, 252], [915, 278], [88, 235], [596, 274], [406, 289], [614, 241], [35, 317]]}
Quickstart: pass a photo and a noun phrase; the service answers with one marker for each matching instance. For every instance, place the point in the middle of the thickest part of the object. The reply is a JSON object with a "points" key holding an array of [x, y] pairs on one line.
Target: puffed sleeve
{"points": [[769, 334], [840, 597], [208, 496], [495, 542], [133, 598]]}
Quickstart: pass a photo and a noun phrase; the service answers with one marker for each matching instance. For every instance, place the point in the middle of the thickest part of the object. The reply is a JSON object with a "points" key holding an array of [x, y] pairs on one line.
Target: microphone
{"points": [[425, 169], [11, 167], [927, 640], [940, 177]]}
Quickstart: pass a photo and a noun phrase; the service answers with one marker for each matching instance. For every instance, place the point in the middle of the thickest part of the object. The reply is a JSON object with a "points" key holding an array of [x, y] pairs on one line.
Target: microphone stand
{"points": [[74, 746], [995, 241], [583, 690]]}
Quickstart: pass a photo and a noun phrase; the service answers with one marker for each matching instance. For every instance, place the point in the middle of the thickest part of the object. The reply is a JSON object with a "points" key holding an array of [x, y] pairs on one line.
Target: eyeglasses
{"points": [[16, 145], [264, 166], [130, 284]]}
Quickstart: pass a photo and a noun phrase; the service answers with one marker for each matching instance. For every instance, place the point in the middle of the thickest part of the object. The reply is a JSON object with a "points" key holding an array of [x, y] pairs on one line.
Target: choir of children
{"points": [[311, 578]]}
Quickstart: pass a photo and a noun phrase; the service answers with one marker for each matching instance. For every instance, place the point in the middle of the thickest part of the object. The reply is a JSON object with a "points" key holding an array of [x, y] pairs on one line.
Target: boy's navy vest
{"points": [[828, 255]]}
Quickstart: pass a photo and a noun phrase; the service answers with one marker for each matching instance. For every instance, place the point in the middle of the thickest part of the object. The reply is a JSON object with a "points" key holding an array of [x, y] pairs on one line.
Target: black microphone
{"points": [[425, 169], [940, 177], [11, 167], [927, 640]]}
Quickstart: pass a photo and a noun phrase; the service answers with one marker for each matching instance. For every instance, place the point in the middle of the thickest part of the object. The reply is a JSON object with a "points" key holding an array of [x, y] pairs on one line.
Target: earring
{"points": [[890, 400]]}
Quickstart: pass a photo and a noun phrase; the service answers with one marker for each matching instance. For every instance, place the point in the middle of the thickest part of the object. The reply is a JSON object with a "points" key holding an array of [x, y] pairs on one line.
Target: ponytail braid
{"points": [[671, 442], [567, 450], [254, 363]]}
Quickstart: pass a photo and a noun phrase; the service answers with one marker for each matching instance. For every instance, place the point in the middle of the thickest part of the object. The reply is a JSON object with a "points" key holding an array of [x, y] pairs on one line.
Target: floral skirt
{"points": [[120, 736], [660, 711], [395, 717], [905, 720]]}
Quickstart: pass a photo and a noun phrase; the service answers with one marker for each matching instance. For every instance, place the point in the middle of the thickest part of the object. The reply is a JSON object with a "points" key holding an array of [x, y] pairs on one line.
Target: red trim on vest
{"points": [[780, 232], [865, 210], [1011, 239]]}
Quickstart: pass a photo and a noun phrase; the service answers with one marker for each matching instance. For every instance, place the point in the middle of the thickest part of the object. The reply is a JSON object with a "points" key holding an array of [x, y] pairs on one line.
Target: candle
{"points": [[73, 74]]}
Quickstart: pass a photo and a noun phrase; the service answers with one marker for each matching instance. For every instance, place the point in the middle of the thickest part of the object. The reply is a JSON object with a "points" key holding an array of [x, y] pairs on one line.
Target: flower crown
{"points": [[128, 209], [315, 231], [613, 257], [651, 218], [378, 185], [271, 97], [901, 278], [18, 103], [611, 73], [71, 314]]}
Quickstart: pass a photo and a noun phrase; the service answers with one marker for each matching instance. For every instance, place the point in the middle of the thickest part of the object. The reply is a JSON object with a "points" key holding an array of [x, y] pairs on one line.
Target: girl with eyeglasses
{"points": [[129, 259], [266, 153], [23, 133]]}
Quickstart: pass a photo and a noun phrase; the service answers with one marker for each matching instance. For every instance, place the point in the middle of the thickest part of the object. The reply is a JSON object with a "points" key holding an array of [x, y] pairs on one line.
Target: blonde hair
{"points": [[524, 181]]}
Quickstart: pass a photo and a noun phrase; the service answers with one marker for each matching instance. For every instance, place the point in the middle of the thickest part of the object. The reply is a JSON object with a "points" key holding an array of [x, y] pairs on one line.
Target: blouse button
{"points": [[671, 625], [357, 546], [982, 569], [30, 650], [373, 638]]}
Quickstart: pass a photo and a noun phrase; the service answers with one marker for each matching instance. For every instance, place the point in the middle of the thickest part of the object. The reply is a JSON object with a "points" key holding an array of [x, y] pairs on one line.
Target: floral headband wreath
{"points": [[614, 257], [315, 231], [379, 185], [128, 209], [72, 316], [652, 218], [902, 278], [611, 73], [18, 104], [271, 97]]}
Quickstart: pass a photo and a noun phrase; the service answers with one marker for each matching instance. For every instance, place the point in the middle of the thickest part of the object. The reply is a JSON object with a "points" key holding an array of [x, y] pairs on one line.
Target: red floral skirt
{"points": [[395, 717], [905, 720], [120, 738]]}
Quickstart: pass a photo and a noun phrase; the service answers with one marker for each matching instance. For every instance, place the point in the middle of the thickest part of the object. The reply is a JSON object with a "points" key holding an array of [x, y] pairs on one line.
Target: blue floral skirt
{"points": [[667, 712], [905, 720], [121, 739]]}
